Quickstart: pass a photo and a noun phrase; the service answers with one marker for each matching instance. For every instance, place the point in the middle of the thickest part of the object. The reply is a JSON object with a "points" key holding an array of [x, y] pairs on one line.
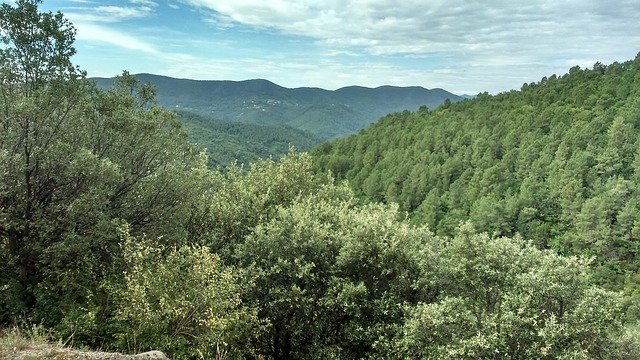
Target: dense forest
{"points": [[229, 142], [114, 234], [557, 162]]}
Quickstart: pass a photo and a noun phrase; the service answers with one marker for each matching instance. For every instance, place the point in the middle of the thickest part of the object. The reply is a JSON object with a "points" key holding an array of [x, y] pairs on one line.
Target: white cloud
{"points": [[328, 74], [93, 32], [144, 2], [123, 12], [112, 13], [219, 20], [473, 29], [462, 46]]}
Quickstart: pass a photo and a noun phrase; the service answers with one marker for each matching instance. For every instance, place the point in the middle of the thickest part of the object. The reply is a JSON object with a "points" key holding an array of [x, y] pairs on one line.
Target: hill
{"points": [[557, 162], [323, 113], [228, 141]]}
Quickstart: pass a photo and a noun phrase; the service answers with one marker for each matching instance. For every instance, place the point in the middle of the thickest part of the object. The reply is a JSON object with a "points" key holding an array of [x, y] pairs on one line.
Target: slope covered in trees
{"points": [[115, 235], [230, 141], [557, 162]]}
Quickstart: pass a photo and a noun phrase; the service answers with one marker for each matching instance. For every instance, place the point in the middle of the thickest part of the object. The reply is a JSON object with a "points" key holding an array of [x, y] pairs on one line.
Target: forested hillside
{"points": [[230, 141], [557, 162], [325, 114], [115, 235]]}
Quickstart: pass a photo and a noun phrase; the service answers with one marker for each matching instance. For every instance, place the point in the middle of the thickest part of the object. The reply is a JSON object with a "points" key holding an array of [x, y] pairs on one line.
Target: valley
{"points": [[247, 120]]}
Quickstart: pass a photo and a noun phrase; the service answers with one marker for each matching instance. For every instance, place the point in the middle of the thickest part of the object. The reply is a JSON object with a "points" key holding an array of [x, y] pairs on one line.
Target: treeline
{"points": [[114, 234], [557, 162]]}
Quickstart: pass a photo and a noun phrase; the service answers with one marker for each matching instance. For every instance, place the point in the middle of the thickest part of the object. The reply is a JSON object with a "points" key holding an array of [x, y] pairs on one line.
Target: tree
{"points": [[331, 278], [531, 162], [38, 48], [75, 165], [39, 92], [503, 298]]}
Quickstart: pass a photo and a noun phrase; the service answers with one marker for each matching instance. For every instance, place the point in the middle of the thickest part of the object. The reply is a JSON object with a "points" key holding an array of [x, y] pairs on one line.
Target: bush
{"points": [[183, 301]]}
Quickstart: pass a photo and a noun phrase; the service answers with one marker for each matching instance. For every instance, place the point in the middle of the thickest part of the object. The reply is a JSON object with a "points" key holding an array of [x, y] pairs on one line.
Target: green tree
{"points": [[503, 298], [39, 92], [75, 165], [533, 162], [181, 300], [331, 278], [38, 49]]}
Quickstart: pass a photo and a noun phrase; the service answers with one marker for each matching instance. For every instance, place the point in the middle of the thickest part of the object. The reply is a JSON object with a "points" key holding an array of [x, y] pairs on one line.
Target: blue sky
{"points": [[463, 46]]}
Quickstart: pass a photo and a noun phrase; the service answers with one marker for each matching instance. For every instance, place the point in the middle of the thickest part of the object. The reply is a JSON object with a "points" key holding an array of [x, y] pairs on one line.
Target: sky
{"points": [[463, 46]]}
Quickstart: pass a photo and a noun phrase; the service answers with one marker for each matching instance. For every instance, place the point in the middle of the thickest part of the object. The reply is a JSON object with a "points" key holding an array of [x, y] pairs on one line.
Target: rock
{"points": [[150, 355], [52, 352]]}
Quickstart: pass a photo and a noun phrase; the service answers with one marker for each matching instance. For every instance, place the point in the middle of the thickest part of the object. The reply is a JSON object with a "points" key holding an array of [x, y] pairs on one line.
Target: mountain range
{"points": [[325, 114]]}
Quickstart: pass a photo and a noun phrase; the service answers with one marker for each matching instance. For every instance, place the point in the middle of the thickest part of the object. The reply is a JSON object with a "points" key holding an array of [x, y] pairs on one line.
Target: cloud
{"points": [[144, 2], [93, 32], [462, 46], [111, 13], [322, 72], [219, 20], [123, 12], [473, 29]]}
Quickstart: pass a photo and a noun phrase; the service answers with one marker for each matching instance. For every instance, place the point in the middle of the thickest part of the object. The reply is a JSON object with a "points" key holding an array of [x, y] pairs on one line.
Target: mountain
{"points": [[323, 113], [229, 141], [557, 162]]}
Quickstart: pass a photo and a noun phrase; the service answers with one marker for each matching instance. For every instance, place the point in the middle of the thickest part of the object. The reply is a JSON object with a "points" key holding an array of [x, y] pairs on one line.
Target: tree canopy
{"points": [[556, 162]]}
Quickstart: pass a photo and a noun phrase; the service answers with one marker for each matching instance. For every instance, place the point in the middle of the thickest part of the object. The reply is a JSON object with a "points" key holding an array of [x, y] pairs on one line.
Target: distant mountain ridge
{"points": [[326, 114]]}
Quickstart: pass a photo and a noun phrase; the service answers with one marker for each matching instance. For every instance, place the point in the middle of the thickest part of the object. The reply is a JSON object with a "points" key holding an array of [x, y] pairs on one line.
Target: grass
{"points": [[15, 340], [35, 344], [20, 339]]}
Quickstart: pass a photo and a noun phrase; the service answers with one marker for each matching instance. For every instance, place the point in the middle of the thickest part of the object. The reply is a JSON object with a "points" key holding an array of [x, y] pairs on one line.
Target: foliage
{"points": [[183, 300], [38, 48], [229, 142], [503, 298], [76, 164], [330, 278], [556, 162], [244, 199], [337, 279]]}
